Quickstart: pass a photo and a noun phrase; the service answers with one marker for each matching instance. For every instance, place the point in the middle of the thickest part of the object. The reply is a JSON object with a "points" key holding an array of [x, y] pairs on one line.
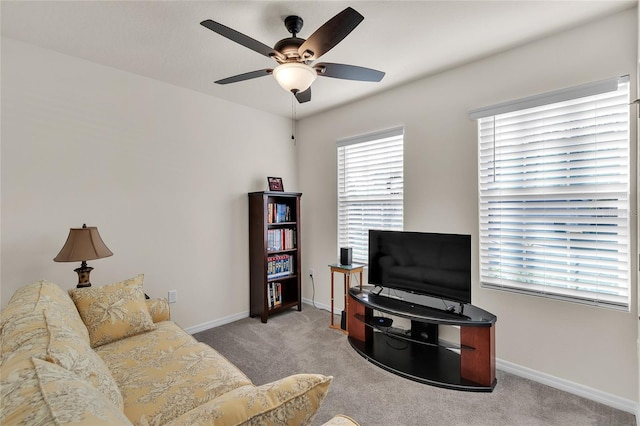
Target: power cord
{"points": [[313, 294]]}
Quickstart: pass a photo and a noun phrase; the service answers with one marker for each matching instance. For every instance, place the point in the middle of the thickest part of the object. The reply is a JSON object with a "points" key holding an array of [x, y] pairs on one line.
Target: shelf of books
{"points": [[280, 266], [274, 252], [280, 296], [275, 294], [278, 212], [281, 239]]}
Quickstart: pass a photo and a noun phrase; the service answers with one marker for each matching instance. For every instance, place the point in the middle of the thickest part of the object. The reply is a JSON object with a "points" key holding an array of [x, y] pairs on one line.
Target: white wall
{"points": [[593, 347], [163, 172]]}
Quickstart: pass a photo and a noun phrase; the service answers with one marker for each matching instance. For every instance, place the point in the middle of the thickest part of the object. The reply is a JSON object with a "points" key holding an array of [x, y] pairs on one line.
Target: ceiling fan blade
{"points": [[348, 72], [303, 97], [245, 76], [242, 39], [330, 34]]}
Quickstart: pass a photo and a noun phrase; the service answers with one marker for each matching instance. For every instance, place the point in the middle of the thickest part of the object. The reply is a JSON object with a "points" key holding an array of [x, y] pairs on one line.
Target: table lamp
{"points": [[83, 244]]}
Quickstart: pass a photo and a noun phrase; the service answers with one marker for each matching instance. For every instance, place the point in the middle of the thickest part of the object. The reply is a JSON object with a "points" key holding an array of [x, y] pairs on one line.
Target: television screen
{"points": [[432, 264]]}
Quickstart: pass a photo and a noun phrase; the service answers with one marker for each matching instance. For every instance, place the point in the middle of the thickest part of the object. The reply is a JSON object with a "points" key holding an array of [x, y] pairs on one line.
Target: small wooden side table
{"points": [[346, 270]]}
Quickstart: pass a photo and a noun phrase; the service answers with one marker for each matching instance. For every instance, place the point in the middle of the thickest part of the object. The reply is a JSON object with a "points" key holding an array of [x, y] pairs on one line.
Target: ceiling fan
{"points": [[296, 70]]}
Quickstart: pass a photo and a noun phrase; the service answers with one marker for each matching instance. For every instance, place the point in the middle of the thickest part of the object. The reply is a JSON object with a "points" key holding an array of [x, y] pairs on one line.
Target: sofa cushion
{"points": [[72, 353], [44, 295], [164, 373], [19, 392], [24, 335], [47, 335], [293, 400], [159, 309], [113, 311], [34, 391], [70, 400]]}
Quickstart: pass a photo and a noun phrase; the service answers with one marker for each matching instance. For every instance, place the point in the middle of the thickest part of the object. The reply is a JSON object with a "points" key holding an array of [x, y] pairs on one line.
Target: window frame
{"points": [[357, 239], [541, 282]]}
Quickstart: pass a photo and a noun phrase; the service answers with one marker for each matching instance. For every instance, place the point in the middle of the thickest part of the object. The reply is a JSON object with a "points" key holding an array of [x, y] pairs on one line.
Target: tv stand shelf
{"points": [[417, 354], [399, 333]]}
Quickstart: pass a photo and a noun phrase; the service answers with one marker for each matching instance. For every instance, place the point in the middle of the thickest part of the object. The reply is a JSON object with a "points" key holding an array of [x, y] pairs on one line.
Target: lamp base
{"points": [[83, 275]]}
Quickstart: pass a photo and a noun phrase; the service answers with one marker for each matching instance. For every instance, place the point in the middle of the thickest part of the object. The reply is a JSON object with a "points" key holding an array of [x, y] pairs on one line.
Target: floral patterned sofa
{"points": [[105, 355]]}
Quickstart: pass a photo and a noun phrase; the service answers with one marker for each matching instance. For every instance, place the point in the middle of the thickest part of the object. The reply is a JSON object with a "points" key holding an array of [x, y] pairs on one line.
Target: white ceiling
{"points": [[164, 40]]}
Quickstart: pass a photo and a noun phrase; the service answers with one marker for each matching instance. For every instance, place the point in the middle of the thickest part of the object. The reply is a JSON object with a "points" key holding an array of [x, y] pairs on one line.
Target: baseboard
{"points": [[231, 318], [215, 323], [614, 401], [320, 306]]}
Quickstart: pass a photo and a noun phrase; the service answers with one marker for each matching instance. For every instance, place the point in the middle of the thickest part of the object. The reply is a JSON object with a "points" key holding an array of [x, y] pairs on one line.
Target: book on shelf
{"points": [[278, 294], [281, 239], [271, 298], [279, 266], [278, 213], [275, 294]]}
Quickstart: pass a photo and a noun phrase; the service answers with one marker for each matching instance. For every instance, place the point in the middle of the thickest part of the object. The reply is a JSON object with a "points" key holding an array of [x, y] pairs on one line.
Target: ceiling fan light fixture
{"points": [[294, 76]]}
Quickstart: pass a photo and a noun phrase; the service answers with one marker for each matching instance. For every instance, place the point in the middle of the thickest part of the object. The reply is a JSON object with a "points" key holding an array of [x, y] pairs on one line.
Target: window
{"points": [[370, 188], [554, 194]]}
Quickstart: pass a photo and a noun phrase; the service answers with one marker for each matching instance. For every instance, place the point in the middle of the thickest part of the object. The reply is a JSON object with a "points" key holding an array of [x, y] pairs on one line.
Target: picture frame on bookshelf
{"points": [[275, 184]]}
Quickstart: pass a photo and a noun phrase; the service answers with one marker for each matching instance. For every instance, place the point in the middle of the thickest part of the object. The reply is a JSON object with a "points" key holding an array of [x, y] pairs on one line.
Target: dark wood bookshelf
{"points": [[265, 224]]}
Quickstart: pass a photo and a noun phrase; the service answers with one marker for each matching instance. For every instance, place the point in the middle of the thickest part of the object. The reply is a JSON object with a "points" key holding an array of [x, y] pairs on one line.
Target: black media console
{"points": [[417, 353]]}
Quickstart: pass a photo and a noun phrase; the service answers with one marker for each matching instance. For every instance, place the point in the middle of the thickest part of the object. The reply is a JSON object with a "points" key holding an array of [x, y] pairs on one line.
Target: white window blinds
{"points": [[370, 188], [554, 196]]}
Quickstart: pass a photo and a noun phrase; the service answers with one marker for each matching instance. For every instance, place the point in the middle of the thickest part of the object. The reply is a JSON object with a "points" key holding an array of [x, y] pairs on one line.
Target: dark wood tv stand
{"points": [[417, 353]]}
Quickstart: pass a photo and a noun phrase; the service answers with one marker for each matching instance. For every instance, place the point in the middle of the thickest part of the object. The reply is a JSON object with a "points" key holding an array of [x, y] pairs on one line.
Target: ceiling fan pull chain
{"points": [[293, 118]]}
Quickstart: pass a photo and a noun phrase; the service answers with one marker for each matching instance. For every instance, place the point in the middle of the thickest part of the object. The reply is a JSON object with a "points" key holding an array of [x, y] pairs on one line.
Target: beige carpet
{"points": [[295, 342]]}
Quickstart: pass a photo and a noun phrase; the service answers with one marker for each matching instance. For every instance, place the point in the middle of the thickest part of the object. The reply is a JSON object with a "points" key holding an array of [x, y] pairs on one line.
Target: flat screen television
{"points": [[431, 264]]}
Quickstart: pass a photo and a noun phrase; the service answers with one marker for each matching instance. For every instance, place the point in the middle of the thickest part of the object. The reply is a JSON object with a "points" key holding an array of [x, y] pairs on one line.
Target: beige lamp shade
{"points": [[83, 244]]}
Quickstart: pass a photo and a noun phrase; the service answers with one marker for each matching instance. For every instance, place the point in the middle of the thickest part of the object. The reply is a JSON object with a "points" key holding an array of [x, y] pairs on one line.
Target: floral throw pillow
{"points": [[71, 400], [113, 312], [71, 352]]}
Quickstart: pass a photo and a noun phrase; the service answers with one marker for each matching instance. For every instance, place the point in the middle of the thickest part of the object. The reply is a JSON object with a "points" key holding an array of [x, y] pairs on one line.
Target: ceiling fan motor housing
{"points": [[289, 47], [293, 24]]}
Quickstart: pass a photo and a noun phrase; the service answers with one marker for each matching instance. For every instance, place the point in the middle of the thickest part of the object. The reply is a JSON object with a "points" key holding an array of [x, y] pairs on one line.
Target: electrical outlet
{"points": [[311, 272], [173, 296]]}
